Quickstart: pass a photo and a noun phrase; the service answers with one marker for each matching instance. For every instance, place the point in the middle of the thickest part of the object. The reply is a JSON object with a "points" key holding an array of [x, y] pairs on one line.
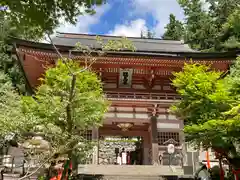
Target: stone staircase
{"points": [[123, 177], [128, 177], [137, 170], [130, 172]]}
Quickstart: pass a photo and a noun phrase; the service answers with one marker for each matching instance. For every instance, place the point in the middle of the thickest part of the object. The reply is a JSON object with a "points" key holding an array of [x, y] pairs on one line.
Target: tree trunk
{"points": [[67, 167]]}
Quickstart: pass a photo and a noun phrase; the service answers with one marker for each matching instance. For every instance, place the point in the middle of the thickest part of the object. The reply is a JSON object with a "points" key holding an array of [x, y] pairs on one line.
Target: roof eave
{"points": [[46, 46]]}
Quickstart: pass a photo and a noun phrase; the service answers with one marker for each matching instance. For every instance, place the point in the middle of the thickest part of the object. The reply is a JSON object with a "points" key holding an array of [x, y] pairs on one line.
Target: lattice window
{"points": [[87, 134], [165, 136]]}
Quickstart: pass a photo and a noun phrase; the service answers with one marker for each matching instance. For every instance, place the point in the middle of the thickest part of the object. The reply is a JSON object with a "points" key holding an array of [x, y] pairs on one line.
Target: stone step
{"points": [[130, 170], [132, 178], [124, 177]]}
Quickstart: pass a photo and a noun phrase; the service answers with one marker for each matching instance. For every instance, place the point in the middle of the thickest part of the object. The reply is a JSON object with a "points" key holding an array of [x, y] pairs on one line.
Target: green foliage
{"points": [[231, 30], [69, 101], [9, 64], [51, 102], [45, 15], [199, 28], [117, 45], [201, 91], [210, 108], [174, 30], [215, 29], [234, 80], [149, 34], [11, 116]]}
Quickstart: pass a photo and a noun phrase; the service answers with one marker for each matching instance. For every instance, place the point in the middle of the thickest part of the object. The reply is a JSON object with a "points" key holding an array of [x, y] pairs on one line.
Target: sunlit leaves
{"points": [[201, 91], [116, 45], [210, 108], [11, 116], [52, 98]]}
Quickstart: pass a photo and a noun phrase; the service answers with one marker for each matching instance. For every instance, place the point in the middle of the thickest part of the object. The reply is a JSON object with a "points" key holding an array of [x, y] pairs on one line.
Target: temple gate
{"points": [[138, 85]]}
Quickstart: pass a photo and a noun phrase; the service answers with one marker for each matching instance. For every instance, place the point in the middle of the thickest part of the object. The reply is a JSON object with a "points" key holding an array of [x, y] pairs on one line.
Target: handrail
{"points": [[149, 96]]}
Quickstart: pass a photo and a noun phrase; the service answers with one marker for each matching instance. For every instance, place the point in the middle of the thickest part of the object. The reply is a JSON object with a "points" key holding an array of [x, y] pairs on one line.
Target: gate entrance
{"points": [[130, 147], [120, 150]]}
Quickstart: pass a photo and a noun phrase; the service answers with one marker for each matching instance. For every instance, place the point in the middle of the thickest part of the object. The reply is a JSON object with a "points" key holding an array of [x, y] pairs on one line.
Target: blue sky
{"points": [[126, 18]]}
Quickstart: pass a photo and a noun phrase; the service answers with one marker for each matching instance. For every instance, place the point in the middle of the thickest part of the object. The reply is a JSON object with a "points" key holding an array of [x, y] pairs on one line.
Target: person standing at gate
{"points": [[160, 158], [124, 156], [128, 158], [119, 159]]}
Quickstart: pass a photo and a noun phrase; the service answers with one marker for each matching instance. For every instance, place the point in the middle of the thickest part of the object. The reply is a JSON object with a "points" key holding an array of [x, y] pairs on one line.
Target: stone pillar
{"points": [[11, 176], [95, 136], [184, 148], [154, 140]]}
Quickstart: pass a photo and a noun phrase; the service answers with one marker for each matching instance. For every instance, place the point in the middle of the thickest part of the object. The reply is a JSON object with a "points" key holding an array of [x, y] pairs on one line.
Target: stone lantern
{"points": [[170, 148], [35, 147]]}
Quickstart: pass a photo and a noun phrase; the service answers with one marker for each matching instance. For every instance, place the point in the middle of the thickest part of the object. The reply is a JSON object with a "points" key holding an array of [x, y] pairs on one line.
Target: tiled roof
{"points": [[141, 44]]}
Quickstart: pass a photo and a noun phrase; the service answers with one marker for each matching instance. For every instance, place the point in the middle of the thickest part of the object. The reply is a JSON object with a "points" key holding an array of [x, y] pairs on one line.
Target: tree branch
{"points": [[60, 55], [36, 170], [69, 108]]}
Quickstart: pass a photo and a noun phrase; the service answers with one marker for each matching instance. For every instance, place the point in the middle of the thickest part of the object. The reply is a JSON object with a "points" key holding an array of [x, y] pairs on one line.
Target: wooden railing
{"points": [[142, 96]]}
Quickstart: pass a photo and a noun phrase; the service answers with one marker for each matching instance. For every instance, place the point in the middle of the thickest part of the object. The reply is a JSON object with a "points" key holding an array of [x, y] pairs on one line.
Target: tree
{"points": [[49, 12], [174, 30], [200, 30], [149, 34], [230, 33], [65, 105], [203, 93], [209, 108], [220, 10], [19, 19], [8, 64], [69, 101], [11, 116], [209, 30], [223, 13]]}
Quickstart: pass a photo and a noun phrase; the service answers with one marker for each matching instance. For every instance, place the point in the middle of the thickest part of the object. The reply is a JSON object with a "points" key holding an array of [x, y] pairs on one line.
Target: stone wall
{"points": [[107, 150]]}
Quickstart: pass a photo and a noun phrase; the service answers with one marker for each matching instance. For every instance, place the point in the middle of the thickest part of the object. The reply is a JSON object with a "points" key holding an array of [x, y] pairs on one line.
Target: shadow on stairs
{"points": [[133, 172], [128, 177]]}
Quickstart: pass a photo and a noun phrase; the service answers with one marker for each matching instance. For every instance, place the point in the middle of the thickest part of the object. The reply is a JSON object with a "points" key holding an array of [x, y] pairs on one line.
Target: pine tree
{"points": [[174, 30], [148, 34], [214, 30]]}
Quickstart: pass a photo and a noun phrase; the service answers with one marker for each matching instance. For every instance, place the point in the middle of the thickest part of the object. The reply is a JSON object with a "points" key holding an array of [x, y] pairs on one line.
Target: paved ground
{"points": [[133, 170]]}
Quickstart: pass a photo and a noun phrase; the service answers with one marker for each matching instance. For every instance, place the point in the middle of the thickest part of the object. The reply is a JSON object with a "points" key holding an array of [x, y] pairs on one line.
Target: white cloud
{"points": [[160, 10], [85, 21], [129, 29]]}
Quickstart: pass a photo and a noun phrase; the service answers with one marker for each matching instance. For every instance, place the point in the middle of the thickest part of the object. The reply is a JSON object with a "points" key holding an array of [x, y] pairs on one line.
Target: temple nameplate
{"points": [[125, 78]]}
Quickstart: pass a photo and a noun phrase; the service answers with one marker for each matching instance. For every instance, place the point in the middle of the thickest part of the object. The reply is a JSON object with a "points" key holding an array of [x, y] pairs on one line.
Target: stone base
{"points": [[17, 176], [11, 176], [126, 177], [188, 170], [130, 170]]}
